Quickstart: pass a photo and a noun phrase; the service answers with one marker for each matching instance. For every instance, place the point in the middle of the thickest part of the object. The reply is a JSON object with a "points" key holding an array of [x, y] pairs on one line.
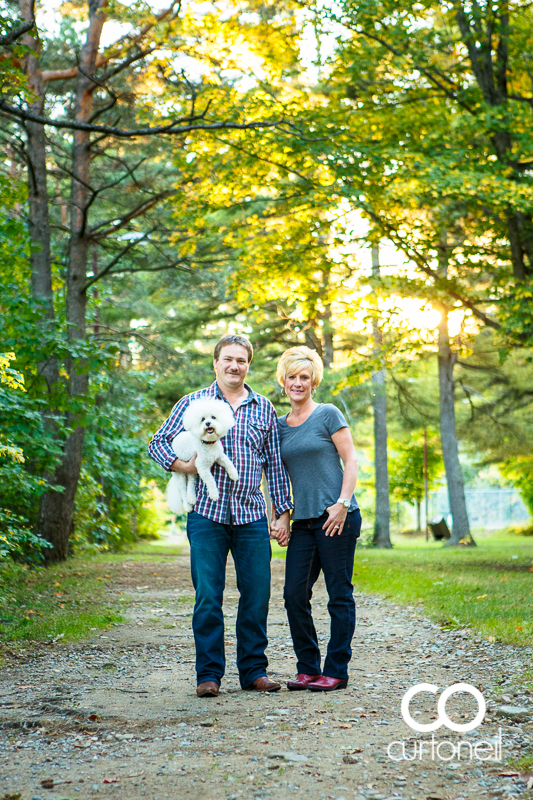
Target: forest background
{"points": [[352, 176]]}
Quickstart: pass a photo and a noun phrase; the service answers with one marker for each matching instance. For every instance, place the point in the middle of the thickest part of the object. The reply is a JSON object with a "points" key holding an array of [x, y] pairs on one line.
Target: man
{"points": [[236, 522]]}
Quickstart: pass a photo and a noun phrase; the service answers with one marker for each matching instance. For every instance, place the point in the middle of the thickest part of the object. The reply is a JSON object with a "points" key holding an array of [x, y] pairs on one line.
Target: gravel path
{"points": [[117, 716]]}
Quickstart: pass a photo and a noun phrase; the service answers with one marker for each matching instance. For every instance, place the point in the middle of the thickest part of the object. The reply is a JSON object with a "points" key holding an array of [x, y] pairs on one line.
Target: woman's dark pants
{"points": [[310, 551]]}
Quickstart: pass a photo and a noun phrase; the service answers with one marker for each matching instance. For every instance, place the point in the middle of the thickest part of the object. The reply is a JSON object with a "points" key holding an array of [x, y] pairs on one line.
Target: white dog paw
{"points": [[214, 496], [234, 476]]}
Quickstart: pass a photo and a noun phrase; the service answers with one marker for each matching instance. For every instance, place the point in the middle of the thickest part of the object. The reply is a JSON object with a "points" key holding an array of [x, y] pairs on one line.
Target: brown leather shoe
{"points": [[264, 684], [302, 682], [207, 689], [326, 684]]}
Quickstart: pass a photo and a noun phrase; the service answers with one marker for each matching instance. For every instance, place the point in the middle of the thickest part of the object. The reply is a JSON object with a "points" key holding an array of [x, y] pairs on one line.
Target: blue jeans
{"points": [[250, 547], [310, 551]]}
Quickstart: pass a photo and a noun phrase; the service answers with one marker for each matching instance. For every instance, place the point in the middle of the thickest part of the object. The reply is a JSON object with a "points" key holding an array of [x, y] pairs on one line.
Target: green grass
{"points": [[482, 587], [450, 584], [523, 764], [40, 604], [159, 548]]}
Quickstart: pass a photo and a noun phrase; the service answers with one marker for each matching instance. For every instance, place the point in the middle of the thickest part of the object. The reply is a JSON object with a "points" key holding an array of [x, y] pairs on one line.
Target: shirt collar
{"points": [[252, 396]]}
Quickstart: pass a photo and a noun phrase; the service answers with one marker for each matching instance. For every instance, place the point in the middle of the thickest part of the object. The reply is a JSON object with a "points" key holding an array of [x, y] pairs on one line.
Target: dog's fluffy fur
{"points": [[204, 420]]}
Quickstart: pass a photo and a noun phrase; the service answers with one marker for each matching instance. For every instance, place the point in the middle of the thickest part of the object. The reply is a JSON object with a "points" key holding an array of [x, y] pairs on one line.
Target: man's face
{"points": [[232, 366]]}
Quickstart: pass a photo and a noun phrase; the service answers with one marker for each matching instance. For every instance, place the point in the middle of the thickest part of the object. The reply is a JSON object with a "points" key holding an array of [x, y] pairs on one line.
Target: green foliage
{"points": [[406, 466], [521, 530], [12, 79], [33, 422], [41, 604], [434, 146], [16, 539], [113, 487], [519, 469]]}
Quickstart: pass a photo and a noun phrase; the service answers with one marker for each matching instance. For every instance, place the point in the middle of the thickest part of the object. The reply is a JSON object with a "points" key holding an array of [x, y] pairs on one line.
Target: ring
{"points": [[336, 526]]}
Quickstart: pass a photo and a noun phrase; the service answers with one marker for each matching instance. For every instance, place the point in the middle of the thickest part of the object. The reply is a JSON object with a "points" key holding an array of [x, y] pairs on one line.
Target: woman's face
{"points": [[299, 385]]}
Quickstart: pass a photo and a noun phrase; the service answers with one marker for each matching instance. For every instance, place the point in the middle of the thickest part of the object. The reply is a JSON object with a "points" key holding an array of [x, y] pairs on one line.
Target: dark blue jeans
{"points": [[250, 547], [310, 551]]}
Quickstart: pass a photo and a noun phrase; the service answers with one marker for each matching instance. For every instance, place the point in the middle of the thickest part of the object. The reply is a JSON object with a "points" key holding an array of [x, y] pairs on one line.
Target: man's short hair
{"points": [[233, 338]]}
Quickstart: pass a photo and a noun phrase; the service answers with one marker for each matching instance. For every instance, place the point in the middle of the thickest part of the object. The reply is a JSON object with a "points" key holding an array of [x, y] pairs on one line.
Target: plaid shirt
{"points": [[253, 446]]}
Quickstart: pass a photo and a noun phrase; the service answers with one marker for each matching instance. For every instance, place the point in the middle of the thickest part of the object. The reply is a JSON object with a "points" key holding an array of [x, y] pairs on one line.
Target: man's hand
{"points": [[185, 467], [281, 528]]}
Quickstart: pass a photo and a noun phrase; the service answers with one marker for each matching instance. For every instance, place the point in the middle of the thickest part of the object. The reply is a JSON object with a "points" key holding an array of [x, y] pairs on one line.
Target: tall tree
{"points": [[381, 536], [448, 430]]}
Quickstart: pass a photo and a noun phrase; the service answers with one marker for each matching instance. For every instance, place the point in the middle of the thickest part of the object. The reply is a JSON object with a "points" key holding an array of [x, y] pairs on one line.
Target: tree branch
{"points": [[114, 261], [142, 208], [422, 264], [436, 79], [16, 33], [160, 268], [124, 64], [173, 128], [96, 192], [104, 58]]}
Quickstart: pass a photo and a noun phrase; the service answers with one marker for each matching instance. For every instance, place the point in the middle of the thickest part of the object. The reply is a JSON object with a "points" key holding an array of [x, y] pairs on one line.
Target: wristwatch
{"points": [[346, 503]]}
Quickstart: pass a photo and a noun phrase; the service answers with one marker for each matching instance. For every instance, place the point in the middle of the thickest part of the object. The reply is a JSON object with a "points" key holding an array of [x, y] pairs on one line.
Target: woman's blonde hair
{"points": [[296, 359]]}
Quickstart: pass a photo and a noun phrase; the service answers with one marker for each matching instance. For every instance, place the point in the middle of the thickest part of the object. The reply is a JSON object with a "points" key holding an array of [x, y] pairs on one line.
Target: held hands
{"points": [[279, 529], [336, 519]]}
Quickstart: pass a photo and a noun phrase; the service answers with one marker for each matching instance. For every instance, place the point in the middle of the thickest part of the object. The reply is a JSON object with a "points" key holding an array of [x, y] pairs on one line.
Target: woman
{"points": [[315, 438]]}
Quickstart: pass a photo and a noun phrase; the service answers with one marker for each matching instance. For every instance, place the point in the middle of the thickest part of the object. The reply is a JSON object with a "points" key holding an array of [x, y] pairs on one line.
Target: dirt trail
{"points": [[117, 716]]}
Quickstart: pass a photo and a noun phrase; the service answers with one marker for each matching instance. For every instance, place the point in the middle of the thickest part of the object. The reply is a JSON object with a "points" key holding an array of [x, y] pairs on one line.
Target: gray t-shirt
{"points": [[312, 461]]}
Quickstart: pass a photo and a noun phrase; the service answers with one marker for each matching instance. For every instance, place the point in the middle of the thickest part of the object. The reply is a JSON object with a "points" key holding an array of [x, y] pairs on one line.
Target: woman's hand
{"points": [[279, 529], [336, 519], [283, 538]]}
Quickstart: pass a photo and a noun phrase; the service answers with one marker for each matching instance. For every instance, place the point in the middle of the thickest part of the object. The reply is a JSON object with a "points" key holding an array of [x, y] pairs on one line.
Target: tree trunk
{"points": [[450, 446], [418, 517], [38, 218], [381, 536], [39, 230], [58, 507], [490, 65], [39, 226], [327, 332], [520, 269], [448, 433], [312, 339]]}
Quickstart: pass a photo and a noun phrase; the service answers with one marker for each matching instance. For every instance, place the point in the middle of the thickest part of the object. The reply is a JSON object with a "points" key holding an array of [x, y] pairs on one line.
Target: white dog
{"points": [[206, 421]]}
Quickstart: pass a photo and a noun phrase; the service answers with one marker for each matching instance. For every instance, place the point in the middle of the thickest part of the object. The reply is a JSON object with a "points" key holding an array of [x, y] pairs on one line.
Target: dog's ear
{"points": [[190, 415]]}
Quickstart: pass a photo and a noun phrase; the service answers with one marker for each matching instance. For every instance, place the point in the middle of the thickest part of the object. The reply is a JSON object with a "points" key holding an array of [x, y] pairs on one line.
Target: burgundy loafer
{"points": [[325, 684], [302, 682]]}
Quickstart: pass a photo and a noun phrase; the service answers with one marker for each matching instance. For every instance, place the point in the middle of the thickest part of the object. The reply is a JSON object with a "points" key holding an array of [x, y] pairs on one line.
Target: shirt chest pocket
{"points": [[257, 433]]}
